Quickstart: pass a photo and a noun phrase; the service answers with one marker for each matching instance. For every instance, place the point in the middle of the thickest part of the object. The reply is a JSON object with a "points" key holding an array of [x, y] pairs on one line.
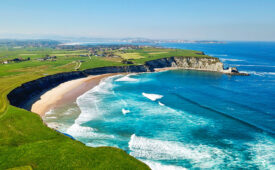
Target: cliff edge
{"points": [[193, 63]]}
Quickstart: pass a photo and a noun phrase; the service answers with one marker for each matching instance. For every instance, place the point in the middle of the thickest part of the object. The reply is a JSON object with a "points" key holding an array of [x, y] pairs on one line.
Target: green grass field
{"points": [[140, 56], [27, 143]]}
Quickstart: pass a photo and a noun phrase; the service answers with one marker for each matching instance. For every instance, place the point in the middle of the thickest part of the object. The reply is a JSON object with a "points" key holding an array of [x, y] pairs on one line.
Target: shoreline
{"points": [[66, 92], [30, 92], [69, 91]]}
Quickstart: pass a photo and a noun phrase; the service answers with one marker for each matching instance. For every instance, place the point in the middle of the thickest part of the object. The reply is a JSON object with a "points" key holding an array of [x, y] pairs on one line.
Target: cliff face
{"points": [[196, 63], [25, 95], [208, 64]]}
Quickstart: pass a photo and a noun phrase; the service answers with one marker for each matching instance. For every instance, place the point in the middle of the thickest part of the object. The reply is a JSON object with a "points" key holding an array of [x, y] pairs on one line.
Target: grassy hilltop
{"points": [[28, 143]]}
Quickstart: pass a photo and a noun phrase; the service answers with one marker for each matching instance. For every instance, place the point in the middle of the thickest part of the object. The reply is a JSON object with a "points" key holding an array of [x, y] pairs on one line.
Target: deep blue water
{"points": [[184, 119]]}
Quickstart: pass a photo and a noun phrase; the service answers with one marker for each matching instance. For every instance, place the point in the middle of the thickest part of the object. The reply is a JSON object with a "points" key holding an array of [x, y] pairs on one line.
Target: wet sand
{"points": [[66, 92]]}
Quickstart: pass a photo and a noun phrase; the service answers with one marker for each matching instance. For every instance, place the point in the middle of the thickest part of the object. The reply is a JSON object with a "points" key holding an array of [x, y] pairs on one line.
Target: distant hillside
{"points": [[28, 43]]}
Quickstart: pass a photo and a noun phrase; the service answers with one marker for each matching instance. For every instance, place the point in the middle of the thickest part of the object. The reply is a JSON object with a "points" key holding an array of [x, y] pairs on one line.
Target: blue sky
{"points": [[251, 20]]}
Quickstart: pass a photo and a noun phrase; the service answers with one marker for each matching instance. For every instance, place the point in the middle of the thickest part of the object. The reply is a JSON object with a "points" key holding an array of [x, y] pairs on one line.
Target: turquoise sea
{"points": [[184, 119]]}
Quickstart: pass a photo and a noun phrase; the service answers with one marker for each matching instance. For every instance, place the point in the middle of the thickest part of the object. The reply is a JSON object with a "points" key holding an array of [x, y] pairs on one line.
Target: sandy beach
{"points": [[166, 69], [66, 92]]}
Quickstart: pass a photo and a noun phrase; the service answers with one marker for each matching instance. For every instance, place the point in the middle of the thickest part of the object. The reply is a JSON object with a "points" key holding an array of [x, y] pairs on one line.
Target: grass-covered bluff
{"points": [[26, 142]]}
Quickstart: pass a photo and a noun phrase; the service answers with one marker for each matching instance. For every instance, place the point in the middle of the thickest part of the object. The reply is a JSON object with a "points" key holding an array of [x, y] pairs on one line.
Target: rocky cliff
{"points": [[196, 63], [193, 63], [25, 95]]}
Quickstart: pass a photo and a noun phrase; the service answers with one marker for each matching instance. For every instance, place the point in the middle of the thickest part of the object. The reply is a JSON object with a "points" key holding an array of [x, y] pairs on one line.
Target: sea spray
{"points": [[124, 111]]}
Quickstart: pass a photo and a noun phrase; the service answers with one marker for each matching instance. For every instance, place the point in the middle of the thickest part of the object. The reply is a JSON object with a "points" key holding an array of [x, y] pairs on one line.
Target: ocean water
{"points": [[184, 119]]}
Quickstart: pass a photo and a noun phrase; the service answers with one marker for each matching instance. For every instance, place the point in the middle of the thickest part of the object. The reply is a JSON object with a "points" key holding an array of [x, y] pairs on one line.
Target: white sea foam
{"points": [[263, 150], [152, 97], [161, 104], [218, 55], [101, 143], [89, 101], [230, 59], [71, 111], [238, 65], [161, 150], [88, 104], [77, 130], [54, 125], [158, 166], [50, 117], [201, 156], [259, 73], [50, 112], [124, 111], [127, 78]]}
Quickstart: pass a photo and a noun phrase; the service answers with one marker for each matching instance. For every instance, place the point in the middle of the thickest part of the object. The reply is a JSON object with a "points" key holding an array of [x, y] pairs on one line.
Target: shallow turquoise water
{"points": [[183, 119]]}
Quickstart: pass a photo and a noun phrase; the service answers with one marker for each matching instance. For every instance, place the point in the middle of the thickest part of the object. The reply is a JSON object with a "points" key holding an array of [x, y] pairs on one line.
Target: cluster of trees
{"points": [[48, 57], [126, 61], [16, 60]]}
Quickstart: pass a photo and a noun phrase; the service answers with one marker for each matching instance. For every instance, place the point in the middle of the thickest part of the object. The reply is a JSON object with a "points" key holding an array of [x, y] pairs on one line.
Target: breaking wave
{"points": [[51, 117], [264, 150], [158, 166], [89, 101], [152, 97], [151, 151], [218, 55], [243, 65], [79, 131], [88, 104], [260, 73], [200, 155], [124, 111], [50, 112], [127, 78], [161, 104], [230, 59]]}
